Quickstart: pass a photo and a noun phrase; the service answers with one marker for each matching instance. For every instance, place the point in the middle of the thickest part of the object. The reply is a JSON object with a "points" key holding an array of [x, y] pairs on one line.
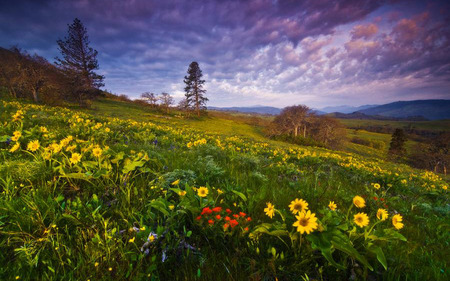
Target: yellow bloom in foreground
{"points": [[382, 214], [219, 191], [298, 205], [132, 240], [176, 182], [33, 145], [376, 186], [359, 201], [76, 157], [182, 193], [397, 221], [306, 222], [97, 152], [361, 219], [15, 147], [332, 206], [171, 207], [96, 264], [202, 191], [270, 210], [17, 135]]}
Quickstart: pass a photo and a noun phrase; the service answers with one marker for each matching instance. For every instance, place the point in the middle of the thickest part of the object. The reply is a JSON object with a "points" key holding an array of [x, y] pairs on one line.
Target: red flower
{"points": [[228, 211], [199, 218], [246, 229], [206, 211], [386, 206], [211, 222], [217, 209], [218, 217], [236, 215], [375, 198], [225, 226], [249, 219], [233, 223], [227, 218], [242, 214], [382, 199]]}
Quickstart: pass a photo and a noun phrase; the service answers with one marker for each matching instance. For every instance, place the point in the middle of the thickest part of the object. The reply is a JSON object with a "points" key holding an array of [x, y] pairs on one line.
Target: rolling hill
{"points": [[430, 109]]}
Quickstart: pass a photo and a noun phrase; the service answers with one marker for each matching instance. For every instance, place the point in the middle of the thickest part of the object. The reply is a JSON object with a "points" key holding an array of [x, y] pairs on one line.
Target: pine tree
{"points": [[195, 97], [397, 145], [78, 62]]}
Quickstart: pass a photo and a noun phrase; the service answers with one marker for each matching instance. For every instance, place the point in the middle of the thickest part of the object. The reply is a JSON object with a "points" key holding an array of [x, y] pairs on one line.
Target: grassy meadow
{"points": [[119, 192]]}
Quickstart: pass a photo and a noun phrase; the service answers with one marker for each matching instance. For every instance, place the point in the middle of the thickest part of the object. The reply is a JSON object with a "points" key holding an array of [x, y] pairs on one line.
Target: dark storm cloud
{"points": [[261, 51]]}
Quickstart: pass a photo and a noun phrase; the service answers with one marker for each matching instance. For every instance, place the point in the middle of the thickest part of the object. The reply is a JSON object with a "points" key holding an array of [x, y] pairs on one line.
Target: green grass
{"points": [[439, 125], [93, 219]]}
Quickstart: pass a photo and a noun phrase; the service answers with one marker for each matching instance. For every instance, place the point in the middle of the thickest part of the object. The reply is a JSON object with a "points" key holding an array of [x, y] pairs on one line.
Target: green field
{"points": [[123, 192], [438, 125]]}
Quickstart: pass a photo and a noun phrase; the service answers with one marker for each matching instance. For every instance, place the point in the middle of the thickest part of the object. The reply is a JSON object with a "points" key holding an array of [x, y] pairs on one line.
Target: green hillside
{"points": [[122, 192]]}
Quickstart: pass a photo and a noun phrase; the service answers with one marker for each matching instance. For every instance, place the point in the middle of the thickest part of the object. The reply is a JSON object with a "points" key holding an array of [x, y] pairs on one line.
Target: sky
{"points": [[255, 52]]}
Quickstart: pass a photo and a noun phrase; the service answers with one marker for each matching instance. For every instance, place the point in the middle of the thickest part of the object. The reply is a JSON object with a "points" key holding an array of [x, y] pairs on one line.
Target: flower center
{"points": [[304, 222]]}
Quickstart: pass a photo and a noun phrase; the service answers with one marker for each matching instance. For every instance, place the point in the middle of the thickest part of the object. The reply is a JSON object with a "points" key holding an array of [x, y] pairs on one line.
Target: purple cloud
{"points": [[261, 51]]}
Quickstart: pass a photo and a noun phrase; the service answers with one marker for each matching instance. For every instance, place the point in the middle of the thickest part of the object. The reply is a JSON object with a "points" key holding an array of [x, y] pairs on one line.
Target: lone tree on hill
{"points": [[78, 63], [194, 88], [397, 145]]}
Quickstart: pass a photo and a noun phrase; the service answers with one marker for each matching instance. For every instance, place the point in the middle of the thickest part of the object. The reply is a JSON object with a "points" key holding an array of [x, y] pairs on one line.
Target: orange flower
{"points": [[233, 223]]}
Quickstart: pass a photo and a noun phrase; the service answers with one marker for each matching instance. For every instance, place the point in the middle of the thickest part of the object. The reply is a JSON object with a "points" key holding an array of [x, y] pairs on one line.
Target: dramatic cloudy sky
{"points": [[265, 52]]}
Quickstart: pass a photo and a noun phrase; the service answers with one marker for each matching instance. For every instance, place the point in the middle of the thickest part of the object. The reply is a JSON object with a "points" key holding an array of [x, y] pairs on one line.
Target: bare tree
{"points": [[328, 131], [292, 119], [166, 101], [150, 98]]}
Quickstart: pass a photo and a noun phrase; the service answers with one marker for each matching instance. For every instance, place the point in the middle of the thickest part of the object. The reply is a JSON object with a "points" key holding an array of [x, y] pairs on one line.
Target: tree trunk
{"points": [[295, 131], [304, 131], [35, 96]]}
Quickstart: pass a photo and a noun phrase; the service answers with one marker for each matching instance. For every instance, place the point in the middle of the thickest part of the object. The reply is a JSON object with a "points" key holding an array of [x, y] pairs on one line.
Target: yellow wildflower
{"points": [[15, 147], [397, 221], [76, 157], [33, 145], [361, 219], [359, 201], [269, 210], [97, 152], [17, 135], [202, 191], [298, 205], [306, 222], [332, 206], [382, 214], [176, 182]]}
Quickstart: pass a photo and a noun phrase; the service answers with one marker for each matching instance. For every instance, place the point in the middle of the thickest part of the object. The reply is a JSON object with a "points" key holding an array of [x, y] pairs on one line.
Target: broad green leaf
{"points": [[380, 255], [240, 194]]}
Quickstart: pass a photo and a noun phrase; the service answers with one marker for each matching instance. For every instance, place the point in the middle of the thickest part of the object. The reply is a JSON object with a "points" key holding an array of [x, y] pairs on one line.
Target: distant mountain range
{"points": [[251, 109], [346, 108], [430, 109], [411, 110]]}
